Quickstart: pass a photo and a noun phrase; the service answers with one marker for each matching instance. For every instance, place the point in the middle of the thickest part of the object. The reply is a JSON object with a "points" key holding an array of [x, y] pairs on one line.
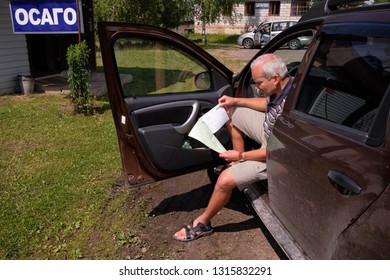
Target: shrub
{"points": [[78, 78]]}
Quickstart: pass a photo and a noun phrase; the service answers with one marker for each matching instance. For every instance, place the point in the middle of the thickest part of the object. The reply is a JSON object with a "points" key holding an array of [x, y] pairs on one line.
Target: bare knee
{"points": [[225, 182]]}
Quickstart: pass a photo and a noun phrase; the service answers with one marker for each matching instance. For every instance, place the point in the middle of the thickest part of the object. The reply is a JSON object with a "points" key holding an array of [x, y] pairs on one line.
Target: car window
{"points": [[279, 26], [155, 68], [292, 58], [264, 26], [347, 80]]}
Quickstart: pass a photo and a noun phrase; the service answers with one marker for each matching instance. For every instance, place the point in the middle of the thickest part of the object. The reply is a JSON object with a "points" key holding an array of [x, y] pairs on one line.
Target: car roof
{"points": [[329, 7], [283, 20]]}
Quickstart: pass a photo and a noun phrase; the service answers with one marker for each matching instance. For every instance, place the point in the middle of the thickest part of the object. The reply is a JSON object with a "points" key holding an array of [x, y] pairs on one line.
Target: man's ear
{"points": [[278, 79]]}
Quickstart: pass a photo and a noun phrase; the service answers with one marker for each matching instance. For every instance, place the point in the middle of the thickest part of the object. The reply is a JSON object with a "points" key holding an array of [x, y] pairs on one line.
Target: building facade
{"points": [[37, 54], [255, 12], [13, 53]]}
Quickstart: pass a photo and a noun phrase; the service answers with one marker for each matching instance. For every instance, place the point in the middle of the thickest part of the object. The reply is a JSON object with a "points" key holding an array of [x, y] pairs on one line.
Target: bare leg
{"points": [[221, 195], [237, 137]]}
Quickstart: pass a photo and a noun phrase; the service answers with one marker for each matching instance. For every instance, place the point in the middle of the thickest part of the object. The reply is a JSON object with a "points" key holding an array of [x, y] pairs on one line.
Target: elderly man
{"points": [[255, 118]]}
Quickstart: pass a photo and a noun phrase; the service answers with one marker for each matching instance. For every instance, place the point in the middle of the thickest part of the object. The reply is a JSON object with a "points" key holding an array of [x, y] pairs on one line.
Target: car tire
{"points": [[294, 44], [248, 43]]}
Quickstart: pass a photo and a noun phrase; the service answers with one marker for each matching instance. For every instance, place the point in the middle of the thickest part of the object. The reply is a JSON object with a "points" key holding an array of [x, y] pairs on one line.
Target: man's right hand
{"points": [[256, 103], [226, 101]]}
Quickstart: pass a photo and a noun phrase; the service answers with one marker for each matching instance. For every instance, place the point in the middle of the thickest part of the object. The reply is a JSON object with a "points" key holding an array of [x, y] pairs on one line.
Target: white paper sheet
{"points": [[207, 125], [203, 134], [215, 118]]}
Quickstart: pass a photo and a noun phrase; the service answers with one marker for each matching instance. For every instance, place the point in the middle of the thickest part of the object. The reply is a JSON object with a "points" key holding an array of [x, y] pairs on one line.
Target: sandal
{"points": [[193, 233]]}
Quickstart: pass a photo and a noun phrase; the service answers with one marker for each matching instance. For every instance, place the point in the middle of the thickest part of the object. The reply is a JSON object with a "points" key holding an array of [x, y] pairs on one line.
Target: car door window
{"points": [[282, 26], [149, 67], [292, 58], [347, 81]]}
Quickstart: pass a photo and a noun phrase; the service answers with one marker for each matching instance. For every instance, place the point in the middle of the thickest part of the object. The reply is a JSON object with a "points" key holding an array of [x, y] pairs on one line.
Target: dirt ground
{"points": [[238, 233]]}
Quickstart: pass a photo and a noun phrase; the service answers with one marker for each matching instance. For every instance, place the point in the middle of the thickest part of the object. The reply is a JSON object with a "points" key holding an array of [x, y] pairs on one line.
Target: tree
{"points": [[164, 13], [208, 11]]}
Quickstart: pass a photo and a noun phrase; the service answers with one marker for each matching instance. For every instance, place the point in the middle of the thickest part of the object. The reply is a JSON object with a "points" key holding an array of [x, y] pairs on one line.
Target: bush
{"points": [[78, 78]]}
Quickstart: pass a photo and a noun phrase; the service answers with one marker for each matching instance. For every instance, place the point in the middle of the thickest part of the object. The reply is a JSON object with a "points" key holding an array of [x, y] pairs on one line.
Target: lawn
{"points": [[58, 187], [60, 192]]}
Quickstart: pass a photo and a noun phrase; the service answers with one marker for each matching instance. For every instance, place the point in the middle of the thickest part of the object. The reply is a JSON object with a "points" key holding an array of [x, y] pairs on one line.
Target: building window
{"points": [[250, 8], [299, 7], [274, 8]]}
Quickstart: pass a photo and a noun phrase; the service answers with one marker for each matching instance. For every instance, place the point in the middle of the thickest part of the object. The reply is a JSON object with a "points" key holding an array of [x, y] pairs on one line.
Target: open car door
{"points": [[159, 84]]}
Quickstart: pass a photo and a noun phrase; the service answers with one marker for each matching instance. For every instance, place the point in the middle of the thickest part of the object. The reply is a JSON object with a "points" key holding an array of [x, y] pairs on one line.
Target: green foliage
{"points": [[211, 10], [163, 13], [78, 78]]}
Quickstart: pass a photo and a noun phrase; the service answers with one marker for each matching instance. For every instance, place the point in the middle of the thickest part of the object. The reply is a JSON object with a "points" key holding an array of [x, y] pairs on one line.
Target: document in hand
{"points": [[207, 125]]}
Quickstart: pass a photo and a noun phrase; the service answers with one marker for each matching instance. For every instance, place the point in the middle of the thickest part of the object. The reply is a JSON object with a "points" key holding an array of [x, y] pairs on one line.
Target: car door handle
{"points": [[190, 122], [343, 183]]}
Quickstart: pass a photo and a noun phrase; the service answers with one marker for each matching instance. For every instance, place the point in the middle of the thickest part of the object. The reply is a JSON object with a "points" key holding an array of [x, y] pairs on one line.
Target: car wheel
{"points": [[294, 44], [248, 43]]}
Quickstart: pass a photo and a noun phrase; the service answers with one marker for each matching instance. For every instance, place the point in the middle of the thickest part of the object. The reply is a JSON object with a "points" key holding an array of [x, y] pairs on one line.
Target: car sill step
{"points": [[278, 231]]}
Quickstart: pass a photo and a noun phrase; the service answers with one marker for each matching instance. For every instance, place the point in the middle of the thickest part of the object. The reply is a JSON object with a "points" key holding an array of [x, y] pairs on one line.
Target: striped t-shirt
{"points": [[274, 109]]}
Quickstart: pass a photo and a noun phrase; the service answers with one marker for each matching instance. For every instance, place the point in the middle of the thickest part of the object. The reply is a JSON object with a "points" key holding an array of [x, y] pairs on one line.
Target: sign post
{"points": [[78, 21]]}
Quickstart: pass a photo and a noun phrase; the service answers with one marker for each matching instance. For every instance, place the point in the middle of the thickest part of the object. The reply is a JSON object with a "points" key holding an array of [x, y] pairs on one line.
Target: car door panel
{"points": [[315, 225], [163, 139]]}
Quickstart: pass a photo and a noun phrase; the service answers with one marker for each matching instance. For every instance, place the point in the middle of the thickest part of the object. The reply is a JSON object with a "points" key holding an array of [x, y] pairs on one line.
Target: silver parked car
{"points": [[268, 30]]}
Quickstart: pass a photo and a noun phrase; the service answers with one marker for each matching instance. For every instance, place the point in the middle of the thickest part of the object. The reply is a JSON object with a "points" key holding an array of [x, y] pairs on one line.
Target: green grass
{"points": [[57, 191], [215, 40], [153, 63]]}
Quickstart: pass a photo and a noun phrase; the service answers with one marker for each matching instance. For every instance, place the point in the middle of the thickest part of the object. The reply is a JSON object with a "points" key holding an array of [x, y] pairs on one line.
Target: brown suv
{"points": [[328, 158]]}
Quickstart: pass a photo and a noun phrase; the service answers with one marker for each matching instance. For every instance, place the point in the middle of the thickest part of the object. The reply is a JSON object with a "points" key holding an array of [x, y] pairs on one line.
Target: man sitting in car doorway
{"points": [[255, 118]]}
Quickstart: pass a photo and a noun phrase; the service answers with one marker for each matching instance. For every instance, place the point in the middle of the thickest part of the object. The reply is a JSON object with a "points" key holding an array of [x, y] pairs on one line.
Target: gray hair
{"points": [[271, 65]]}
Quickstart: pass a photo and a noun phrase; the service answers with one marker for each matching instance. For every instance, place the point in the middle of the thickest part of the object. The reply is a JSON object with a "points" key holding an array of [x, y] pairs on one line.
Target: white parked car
{"points": [[268, 30]]}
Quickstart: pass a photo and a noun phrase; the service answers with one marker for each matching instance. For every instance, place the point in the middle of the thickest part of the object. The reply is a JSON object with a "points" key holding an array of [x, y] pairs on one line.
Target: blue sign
{"points": [[45, 16]]}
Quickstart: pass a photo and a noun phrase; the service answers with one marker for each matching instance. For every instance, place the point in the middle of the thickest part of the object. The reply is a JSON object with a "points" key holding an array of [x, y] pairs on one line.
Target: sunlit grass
{"points": [[58, 171]]}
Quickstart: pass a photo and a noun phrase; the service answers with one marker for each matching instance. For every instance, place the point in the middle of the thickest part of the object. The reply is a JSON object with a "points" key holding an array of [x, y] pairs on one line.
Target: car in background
{"points": [[328, 158], [268, 30]]}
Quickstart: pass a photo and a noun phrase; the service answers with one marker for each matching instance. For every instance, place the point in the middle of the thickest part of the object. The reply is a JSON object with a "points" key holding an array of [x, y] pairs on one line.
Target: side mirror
{"points": [[203, 81]]}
